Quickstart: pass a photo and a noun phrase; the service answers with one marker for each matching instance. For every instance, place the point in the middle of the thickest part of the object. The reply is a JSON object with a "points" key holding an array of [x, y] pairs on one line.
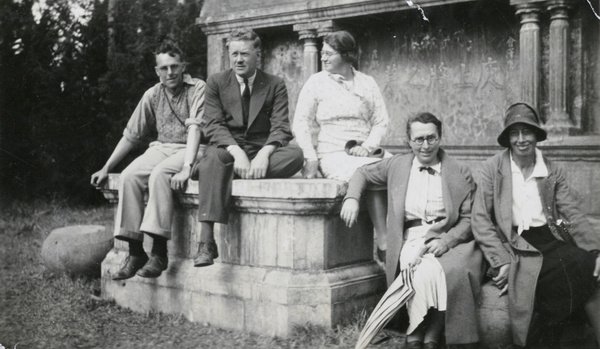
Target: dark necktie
{"points": [[246, 102], [428, 169]]}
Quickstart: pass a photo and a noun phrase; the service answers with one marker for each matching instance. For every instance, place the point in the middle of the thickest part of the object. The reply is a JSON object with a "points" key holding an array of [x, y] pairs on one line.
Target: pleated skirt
{"points": [[429, 280]]}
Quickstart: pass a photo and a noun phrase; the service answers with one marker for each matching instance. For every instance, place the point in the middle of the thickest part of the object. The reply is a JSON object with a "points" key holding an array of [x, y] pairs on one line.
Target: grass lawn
{"points": [[41, 310]]}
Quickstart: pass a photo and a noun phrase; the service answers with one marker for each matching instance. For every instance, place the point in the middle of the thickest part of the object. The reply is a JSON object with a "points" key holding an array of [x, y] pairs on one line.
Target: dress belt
{"points": [[419, 222]]}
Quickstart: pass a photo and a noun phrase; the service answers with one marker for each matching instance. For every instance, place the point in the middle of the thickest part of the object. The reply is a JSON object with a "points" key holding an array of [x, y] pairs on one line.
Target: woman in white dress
{"points": [[344, 109]]}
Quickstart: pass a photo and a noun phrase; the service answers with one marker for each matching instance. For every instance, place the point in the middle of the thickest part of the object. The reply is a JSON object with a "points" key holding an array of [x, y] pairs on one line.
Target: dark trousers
{"points": [[216, 174], [564, 285]]}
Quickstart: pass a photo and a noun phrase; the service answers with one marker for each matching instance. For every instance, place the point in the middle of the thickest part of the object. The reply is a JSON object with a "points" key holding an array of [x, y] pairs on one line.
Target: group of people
{"points": [[428, 212]]}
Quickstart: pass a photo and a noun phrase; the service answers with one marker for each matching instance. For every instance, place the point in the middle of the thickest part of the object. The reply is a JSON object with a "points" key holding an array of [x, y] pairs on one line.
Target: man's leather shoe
{"points": [[381, 255], [430, 345], [154, 267], [132, 265], [207, 251]]}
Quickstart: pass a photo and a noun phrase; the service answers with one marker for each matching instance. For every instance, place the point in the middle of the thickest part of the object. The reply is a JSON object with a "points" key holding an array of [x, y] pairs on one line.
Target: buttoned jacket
{"points": [[268, 119], [493, 231]]}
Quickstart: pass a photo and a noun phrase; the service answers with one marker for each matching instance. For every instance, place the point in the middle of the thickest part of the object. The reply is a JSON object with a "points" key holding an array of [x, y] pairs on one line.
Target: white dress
{"points": [[423, 201], [334, 112]]}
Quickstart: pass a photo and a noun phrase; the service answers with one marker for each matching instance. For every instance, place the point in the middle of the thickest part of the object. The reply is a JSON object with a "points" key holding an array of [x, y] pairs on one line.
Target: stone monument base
{"points": [[254, 299], [286, 259]]}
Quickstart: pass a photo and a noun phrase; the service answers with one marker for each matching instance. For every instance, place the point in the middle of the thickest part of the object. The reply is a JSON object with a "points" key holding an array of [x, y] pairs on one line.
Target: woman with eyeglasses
{"points": [[344, 110], [429, 231]]}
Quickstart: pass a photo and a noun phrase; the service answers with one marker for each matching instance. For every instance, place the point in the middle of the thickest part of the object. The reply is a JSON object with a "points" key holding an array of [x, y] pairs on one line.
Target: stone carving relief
{"points": [[284, 59], [465, 77]]}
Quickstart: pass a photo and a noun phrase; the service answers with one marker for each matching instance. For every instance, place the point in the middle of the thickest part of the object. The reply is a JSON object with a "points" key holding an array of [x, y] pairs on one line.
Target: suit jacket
{"points": [[457, 190], [268, 121], [492, 228]]}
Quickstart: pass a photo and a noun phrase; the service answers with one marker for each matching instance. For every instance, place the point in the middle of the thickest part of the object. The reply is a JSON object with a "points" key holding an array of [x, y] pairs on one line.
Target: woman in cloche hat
{"points": [[549, 269]]}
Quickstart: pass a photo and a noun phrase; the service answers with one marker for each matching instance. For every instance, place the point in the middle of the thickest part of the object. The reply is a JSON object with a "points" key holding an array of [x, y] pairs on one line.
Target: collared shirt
{"points": [[339, 111], [167, 115], [527, 208], [424, 199], [250, 82]]}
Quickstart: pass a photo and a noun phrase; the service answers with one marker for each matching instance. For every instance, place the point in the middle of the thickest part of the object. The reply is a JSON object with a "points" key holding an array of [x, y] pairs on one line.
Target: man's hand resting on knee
{"points": [[260, 163], [179, 180]]}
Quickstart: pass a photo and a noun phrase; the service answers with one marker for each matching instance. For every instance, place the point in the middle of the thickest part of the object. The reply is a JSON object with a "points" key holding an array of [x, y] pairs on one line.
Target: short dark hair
{"points": [[171, 48], [344, 43], [244, 34], [424, 118]]}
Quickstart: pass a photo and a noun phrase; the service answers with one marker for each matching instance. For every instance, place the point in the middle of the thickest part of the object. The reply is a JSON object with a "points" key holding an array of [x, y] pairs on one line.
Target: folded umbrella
{"points": [[399, 292]]}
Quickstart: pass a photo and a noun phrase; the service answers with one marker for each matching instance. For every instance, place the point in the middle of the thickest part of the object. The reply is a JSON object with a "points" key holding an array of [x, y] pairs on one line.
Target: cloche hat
{"points": [[524, 114]]}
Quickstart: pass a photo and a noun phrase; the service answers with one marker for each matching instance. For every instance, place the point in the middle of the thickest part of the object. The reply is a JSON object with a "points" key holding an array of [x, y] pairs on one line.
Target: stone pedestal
{"points": [[285, 258]]}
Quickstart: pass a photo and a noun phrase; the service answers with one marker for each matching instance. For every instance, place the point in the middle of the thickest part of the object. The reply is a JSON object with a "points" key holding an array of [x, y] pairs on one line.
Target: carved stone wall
{"points": [[462, 66], [465, 63], [283, 56]]}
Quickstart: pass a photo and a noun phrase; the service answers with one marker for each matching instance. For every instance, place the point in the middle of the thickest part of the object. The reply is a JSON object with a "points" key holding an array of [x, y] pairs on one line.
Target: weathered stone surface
{"points": [[286, 258], [77, 250], [256, 299]]}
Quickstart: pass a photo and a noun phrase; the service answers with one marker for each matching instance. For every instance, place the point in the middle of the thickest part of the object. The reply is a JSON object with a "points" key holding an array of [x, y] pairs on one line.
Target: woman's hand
{"points": [[358, 151], [349, 212], [437, 246], [99, 177], [501, 280], [417, 257], [310, 169]]}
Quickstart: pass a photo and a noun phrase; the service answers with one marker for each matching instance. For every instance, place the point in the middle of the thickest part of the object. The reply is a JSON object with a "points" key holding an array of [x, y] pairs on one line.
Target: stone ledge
{"points": [[263, 300], [569, 149], [279, 188], [214, 20]]}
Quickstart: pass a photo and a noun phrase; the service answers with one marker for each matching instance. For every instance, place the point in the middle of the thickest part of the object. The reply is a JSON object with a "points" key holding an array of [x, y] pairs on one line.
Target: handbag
{"points": [[561, 228], [375, 153]]}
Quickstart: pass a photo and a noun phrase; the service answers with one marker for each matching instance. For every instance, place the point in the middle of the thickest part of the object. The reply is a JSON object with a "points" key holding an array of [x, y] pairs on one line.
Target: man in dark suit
{"points": [[247, 127]]}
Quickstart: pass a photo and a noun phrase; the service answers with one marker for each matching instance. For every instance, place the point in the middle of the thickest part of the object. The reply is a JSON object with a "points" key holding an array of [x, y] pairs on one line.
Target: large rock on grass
{"points": [[77, 250]]}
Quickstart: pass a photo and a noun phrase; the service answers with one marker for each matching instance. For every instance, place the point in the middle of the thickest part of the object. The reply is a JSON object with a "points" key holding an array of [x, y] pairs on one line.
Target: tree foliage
{"points": [[69, 84]]}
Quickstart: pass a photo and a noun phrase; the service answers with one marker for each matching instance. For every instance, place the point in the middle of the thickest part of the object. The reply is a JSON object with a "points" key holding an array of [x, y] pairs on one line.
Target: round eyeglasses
{"points": [[329, 53], [431, 139], [175, 68]]}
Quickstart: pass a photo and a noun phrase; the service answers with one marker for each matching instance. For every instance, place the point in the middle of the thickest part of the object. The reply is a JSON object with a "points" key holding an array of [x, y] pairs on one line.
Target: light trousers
{"points": [[151, 172]]}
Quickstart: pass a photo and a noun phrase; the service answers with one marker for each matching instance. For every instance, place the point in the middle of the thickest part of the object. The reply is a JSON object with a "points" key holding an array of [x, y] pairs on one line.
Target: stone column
{"points": [[558, 117], [217, 57], [310, 32], [595, 127], [530, 53], [324, 29], [311, 52]]}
